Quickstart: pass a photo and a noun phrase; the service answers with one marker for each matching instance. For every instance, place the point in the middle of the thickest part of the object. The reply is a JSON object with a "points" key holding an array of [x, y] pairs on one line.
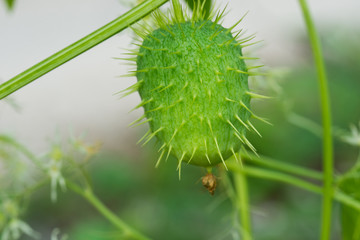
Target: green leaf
{"points": [[350, 218], [350, 222], [207, 5], [10, 4]]}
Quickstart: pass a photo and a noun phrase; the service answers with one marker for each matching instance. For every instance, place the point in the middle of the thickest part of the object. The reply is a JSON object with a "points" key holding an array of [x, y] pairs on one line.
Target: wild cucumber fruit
{"points": [[193, 83]]}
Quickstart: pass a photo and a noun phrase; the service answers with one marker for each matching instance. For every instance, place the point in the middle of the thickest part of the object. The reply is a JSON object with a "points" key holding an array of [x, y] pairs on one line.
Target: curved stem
{"points": [[276, 176], [256, 172], [29, 190], [282, 166], [285, 178], [8, 140], [115, 220], [243, 204], [347, 200], [87, 193], [326, 122], [79, 47]]}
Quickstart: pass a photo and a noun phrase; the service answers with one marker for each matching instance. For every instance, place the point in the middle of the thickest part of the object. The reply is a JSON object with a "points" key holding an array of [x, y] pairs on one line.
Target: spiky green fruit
{"points": [[193, 83]]}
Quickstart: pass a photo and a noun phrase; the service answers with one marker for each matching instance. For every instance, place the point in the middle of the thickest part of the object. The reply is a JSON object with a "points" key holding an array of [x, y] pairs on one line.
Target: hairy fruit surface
{"points": [[193, 83], [195, 91]]}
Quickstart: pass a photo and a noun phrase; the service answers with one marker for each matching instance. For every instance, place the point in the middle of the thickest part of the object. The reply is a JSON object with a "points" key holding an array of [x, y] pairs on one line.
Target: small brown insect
{"points": [[209, 181]]}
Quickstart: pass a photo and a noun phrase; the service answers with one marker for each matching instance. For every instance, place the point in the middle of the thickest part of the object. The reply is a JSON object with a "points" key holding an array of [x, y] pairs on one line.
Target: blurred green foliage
{"points": [[288, 142], [350, 220], [152, 200], [9, 4]]}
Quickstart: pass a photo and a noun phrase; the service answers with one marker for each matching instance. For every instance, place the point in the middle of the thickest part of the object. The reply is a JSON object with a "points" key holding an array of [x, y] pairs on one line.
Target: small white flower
{"points": [[53, 169], [56, 178], [15, 228], [354, 137]]}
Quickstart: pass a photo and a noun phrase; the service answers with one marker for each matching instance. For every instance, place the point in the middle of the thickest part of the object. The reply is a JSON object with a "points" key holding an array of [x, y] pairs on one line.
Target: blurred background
{"points": [[79, 98]]}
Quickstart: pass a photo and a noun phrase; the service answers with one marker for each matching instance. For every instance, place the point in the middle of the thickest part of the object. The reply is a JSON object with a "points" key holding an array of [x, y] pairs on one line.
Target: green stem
{"points": [[87, 193], [115, 220], [276, 176], [243, 204], [305, 123], [79, 47], [285, 178], [286, 167], [312, 126], [21, 148], [260, 173], [326, 122], [347, 200], [31, 189]]}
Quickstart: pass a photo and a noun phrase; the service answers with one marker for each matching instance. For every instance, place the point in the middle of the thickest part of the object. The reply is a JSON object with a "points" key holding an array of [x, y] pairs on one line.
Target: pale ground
{"points": [[79, 96]]}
